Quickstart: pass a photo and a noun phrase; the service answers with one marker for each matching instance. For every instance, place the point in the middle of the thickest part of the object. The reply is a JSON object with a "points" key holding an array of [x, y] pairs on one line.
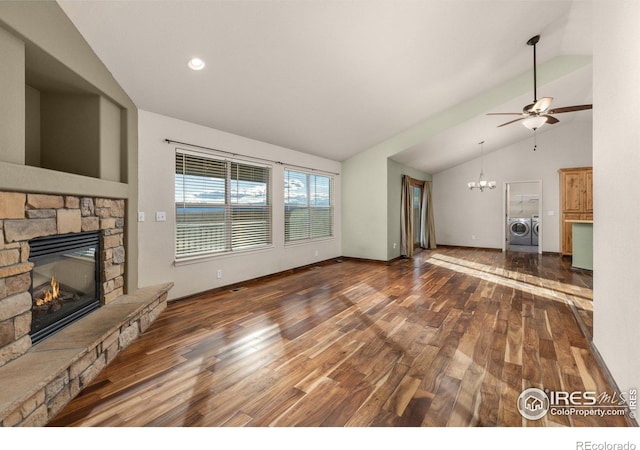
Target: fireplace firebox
{"points": [[65, 281]]}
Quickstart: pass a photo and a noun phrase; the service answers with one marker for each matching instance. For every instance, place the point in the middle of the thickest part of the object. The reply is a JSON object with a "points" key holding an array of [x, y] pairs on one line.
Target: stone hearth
{"points": [[38, 384]]}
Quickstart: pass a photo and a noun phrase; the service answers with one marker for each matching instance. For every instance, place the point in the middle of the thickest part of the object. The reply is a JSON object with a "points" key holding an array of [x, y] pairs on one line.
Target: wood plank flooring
{"points": [[448, 338]]}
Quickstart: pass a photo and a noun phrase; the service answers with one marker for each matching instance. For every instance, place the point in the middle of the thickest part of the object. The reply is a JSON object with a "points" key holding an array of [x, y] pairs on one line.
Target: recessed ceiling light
{"points": [[196, 64]]}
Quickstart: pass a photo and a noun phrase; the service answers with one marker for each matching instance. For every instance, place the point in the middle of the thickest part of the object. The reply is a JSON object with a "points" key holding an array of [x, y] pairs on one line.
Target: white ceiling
{"points": [[334, 78]]}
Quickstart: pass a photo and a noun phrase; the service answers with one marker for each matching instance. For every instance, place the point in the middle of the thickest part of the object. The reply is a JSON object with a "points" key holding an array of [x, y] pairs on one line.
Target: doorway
{"points": [[523, 216]]}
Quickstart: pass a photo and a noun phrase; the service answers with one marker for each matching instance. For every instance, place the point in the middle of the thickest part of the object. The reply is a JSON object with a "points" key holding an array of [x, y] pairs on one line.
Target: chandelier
{"points": [[481, 184]]}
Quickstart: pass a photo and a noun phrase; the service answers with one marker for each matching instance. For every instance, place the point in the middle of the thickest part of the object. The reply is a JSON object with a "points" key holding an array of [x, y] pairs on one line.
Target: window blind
{"points": [[308, 206], [221, 205]]}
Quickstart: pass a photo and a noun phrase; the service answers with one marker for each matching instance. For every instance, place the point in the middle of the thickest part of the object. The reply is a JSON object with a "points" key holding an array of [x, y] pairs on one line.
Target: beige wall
{"points": [[70, 132], [110, 140], [616, 168], [12, 105], [371, 206], [364, 199], [32, 127], [157, 239]]}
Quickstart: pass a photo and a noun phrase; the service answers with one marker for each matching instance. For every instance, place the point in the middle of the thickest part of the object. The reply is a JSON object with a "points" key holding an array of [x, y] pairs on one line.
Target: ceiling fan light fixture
{"points": [[196, 64], [534, 122]]}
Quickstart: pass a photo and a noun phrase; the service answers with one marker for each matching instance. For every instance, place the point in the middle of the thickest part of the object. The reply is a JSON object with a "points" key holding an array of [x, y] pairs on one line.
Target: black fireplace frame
{"points": [[59, 244]]}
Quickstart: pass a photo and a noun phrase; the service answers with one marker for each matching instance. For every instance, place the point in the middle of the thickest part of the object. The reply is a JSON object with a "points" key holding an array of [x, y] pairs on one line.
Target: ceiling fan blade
{"points": [[504, 114], [551, 119], [541, 105], [512, 121], [565, 109]]}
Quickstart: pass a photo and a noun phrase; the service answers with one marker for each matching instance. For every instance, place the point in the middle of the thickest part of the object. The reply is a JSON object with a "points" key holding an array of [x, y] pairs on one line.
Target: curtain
{"points": [[427, 224], [406, 221]]}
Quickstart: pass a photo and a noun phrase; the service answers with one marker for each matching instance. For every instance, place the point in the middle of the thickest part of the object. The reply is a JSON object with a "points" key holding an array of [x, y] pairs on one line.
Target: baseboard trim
{"points": [[609, 377], [371, 261], [466, 247], [241, 284], [598, 357]]}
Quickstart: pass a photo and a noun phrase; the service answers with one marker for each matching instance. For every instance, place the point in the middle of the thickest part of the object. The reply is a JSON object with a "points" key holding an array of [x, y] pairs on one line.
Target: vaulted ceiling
{"points": [[334, 78]]}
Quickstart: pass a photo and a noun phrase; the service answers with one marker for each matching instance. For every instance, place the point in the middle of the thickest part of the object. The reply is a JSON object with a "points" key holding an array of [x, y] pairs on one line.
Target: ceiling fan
{"points": [[536, 114]]}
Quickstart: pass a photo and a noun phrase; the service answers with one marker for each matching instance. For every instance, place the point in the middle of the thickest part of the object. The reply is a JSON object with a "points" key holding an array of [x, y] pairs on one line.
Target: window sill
{"points": [[212, 256], [308, 241]]}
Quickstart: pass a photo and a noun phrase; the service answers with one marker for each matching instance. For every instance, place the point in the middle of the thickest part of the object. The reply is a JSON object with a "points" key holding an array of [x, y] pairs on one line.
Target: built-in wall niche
{"points": [[69, 126]]}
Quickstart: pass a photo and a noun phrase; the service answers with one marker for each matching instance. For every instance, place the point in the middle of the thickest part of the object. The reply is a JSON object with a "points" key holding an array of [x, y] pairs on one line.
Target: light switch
{"points": [[161, 216], [140, 216]]}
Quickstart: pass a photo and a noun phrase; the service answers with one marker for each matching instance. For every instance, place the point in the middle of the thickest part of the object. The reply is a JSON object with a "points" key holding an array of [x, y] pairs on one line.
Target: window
{"points": [[308, 206], [221, 205]]}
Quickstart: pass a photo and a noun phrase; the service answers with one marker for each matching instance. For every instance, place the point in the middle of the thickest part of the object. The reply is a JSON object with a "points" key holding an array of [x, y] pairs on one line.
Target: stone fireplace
{"points": [[44, 222], [74, 245]]}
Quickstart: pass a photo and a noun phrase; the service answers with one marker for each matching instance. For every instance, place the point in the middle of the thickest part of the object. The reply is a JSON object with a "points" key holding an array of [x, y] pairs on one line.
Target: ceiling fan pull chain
{"points": [[535, 140]]}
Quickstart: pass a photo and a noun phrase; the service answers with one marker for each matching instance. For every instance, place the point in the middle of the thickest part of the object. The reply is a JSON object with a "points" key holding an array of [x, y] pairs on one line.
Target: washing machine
{"points": [[535, 224], [520, 230]]}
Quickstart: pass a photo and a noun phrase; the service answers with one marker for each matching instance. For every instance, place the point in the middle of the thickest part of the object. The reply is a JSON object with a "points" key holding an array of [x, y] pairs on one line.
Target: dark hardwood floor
{"points": [[449, 338]]}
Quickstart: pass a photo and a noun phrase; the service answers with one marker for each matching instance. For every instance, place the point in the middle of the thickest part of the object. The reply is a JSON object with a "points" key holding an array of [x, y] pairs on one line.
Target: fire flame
{"points": [[51, 294]]}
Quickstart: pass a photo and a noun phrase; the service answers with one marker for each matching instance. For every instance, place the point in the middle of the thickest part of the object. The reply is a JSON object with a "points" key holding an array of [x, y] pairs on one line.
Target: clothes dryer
{"points": [[520, 230], [535, 224]]}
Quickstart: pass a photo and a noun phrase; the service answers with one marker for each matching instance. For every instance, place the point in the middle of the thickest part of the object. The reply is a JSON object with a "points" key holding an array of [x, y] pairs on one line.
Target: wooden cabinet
{"points": [[588, 178], [576, 201]]}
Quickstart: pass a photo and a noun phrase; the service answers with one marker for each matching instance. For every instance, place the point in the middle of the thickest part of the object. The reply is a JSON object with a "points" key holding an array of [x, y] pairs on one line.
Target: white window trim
{"points": [[197, 258], [332, 177]]}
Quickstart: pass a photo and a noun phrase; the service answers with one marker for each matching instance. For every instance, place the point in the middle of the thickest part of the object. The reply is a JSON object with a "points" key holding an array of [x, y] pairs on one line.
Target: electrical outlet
{"points": [[395, 245], [473, 237], [161, 216], [316, 252], [219, 273], [140, 216]]}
